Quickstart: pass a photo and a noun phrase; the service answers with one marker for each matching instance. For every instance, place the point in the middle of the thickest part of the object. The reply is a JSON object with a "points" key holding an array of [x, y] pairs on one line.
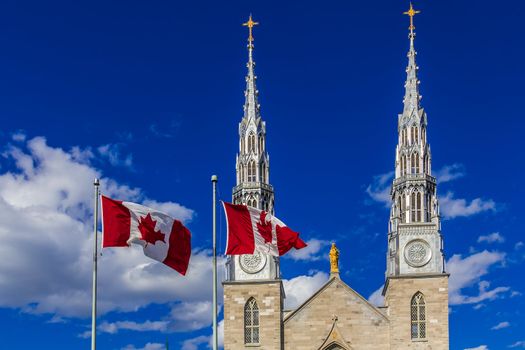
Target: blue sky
{"points": [[149, 95]]}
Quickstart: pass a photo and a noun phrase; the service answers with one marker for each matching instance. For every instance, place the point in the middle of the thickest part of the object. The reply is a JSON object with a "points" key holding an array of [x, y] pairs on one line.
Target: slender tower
{"points": [[416, 288], [253, 291], [253, 172], [253, 162]]}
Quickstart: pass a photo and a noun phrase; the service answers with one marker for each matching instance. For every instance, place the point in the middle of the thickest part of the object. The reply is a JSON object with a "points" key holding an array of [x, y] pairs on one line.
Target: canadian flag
{"points": [[251, 229], [162, 237]]}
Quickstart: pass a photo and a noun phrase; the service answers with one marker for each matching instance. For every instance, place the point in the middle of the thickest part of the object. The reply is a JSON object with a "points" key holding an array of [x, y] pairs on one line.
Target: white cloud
{"points": [[481, 347], [379, 189], [519, 245], [501, 325], [518, 344], [148, 346], [376, 298], [456, 207], [494, 237], [113, 153], [310, 253], [148, 326], [174, 209], [300, 288], [467, 272], [194, 343], [450, 173], [19, 136], [184, 317], [46, 234], [190, 316]]}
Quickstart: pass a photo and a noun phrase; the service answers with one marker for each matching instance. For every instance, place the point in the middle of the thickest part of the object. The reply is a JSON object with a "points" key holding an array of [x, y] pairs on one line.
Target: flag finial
{"points": [[334, 260]]}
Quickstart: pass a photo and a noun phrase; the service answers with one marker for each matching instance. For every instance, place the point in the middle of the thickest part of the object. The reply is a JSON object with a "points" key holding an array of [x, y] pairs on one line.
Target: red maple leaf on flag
{"points": [[265, 228], [147, 229]]}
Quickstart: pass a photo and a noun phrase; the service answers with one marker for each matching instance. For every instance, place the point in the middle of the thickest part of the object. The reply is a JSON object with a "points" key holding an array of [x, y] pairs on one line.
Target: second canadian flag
{"points": [[251, 229]]}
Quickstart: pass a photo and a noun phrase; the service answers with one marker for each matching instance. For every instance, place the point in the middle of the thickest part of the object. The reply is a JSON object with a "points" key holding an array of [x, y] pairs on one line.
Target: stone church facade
{"points": [[415, 310]]}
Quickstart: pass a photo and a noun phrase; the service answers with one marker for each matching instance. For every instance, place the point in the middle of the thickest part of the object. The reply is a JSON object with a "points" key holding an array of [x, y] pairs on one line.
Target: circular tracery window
{"points": [[417, 253], [252, 263]]}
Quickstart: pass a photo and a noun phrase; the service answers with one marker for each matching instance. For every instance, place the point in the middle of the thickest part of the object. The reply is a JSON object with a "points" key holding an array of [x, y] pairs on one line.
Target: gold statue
{"points": [[334, 259]]}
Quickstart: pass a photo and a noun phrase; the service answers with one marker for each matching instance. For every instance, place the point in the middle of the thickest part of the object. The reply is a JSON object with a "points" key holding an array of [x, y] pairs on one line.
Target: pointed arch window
{"points": [[418, 317], [416, 134], [251, 171], [402, 208], [251, 322], [427, 208], [414, 163], [418, 204], [261, 143], [413, 207], [241, 173], [251, 202], [263, 173], [251, 142]]}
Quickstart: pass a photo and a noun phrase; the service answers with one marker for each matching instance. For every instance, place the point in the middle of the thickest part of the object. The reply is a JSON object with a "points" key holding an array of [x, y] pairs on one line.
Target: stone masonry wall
{"points": [[268, 295], [398, 297]]}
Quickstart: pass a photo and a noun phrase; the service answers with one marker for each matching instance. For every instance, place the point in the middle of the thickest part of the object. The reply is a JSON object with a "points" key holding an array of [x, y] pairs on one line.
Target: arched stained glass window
{"points": [[251, 322], [418, 317]]}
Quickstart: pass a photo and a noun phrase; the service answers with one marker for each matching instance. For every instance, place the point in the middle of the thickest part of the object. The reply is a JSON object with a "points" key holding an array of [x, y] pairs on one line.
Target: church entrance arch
{"points": [[335, 346]]}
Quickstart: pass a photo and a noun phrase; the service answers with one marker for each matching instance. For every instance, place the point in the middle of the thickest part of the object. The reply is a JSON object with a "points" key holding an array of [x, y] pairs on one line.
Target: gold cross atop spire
{"points": [[411, 13], [250, 24]]}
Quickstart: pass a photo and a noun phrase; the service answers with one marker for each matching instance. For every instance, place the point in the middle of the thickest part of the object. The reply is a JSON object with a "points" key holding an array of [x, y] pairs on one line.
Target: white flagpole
{"points": [[214, 180], [96, 183]]}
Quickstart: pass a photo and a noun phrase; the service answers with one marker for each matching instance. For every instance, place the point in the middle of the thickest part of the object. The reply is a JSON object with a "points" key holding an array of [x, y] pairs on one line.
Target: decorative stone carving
{"points": [[253, 263], [417, 253]]}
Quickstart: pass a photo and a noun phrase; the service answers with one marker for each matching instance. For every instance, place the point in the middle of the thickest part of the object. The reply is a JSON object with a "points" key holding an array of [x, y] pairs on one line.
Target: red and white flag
{"points": [[162, 237], [251, 229]]}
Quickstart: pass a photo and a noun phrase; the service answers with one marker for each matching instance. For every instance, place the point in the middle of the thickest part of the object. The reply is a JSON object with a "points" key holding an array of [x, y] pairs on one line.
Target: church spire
{"points": [[253, 162], [251, 104], [415, 209], [412, 96], [253, 175]]}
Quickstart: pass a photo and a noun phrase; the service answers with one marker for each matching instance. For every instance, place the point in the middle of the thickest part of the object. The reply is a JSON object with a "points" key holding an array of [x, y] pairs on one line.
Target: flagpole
{"points": [[96, 184], [214, 180]]}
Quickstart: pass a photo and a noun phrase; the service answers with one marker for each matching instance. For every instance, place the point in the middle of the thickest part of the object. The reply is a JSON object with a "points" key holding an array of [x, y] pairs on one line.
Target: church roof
{"points": [[334, 279]]}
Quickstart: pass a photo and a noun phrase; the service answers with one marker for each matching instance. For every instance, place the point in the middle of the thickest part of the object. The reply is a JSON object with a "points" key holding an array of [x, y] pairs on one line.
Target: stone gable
{"points": [[359, 323]]}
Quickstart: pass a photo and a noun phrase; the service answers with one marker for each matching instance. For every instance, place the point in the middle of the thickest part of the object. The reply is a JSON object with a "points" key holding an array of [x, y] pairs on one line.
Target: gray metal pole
{"points": [[214, 180], [95, 251]]}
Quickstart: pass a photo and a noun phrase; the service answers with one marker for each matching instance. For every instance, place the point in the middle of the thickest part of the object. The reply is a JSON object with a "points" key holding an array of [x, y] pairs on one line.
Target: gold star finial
{"points": [[250, 24], [411, 13]]}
